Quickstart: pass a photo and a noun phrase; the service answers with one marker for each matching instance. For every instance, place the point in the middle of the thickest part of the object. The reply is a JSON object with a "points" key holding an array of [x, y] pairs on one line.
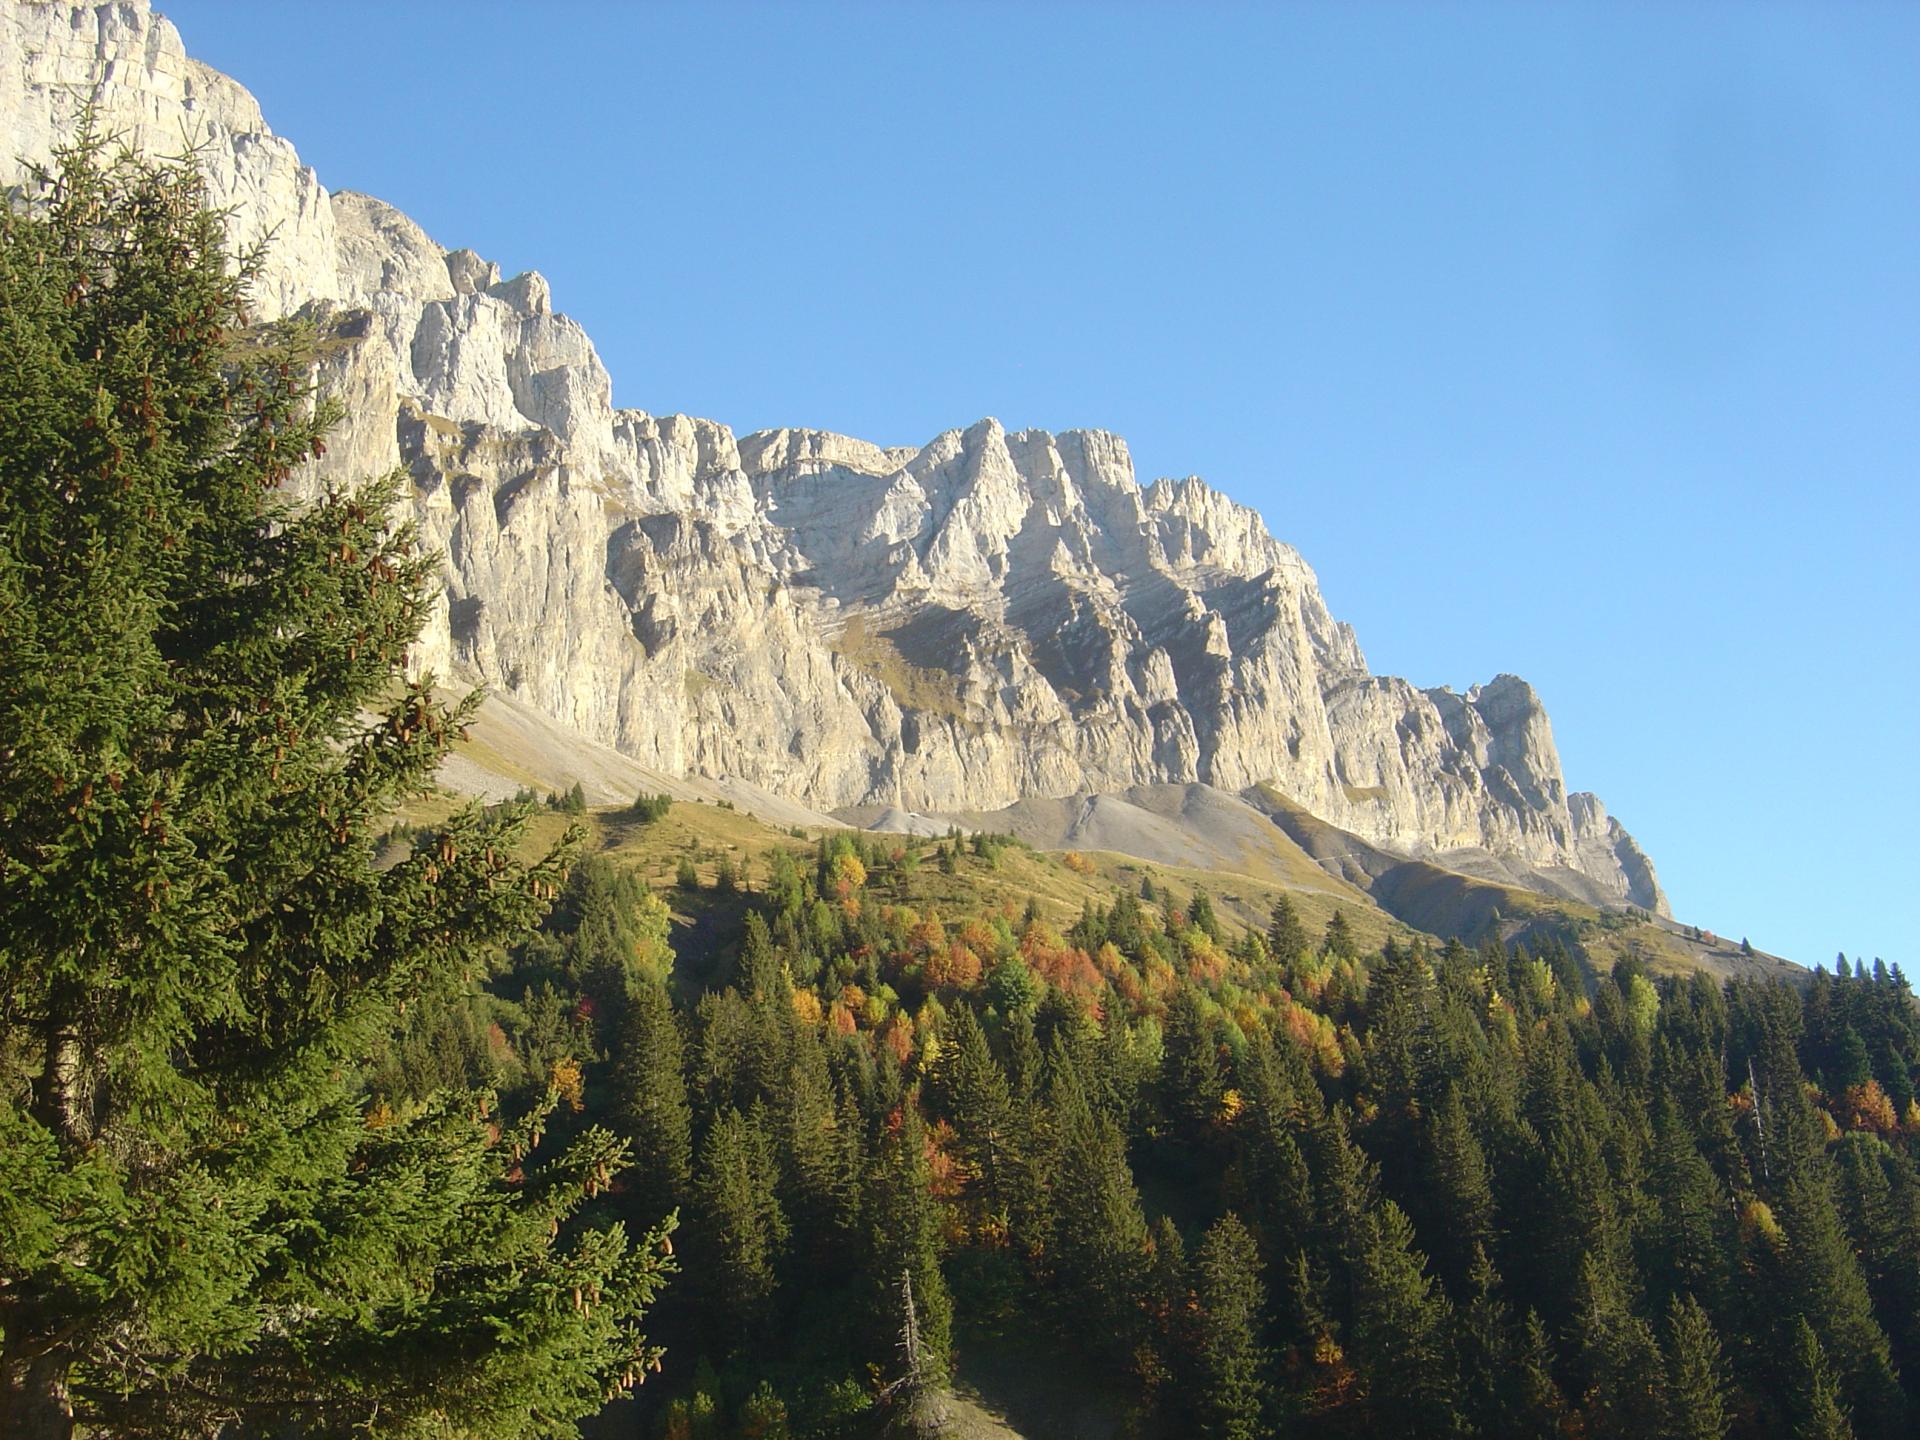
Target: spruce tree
{"points": [[1024, 1061], [1814, 1398], [980, 1104], [1401, 1047], [1492, 1393], [1339, 941], [1696, 1388], [1537, 1405], [819, 1163], [202, 721], [1851, 1065], [1619, 1356], [1201, 917], [1823, 1278], [1399, 1325], [1269, 1180], [1190, 1080], [741, 1231], [1458, 1203], [1402, 1330], [1171, 1303], [647, 1101], [1345, 1181], [1100, 1233], [768, 992], [1231, 1363], [1688, 1231], [726, 1065], [903, 1245], [1577, 1184], [1027, 1160], [1287, 938], [1879, 1194]]}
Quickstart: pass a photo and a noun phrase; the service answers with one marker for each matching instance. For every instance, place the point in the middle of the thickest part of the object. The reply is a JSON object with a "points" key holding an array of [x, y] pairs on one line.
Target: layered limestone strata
{"points": [[953, 627]]}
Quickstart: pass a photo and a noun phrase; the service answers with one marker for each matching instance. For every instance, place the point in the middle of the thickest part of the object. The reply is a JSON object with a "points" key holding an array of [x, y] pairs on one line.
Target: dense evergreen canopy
{"points": [[208, 1222], [1219, 1191]]}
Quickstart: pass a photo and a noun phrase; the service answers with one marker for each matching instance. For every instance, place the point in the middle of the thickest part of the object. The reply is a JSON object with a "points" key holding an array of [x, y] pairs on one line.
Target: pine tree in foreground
{"points": [[204, 1223]]}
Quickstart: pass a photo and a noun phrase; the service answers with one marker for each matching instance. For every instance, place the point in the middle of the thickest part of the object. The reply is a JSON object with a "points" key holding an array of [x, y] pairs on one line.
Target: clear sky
{"points": [[1581, 342]]}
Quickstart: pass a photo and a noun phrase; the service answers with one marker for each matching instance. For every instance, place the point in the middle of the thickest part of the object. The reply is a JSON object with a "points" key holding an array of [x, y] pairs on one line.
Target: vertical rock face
{"points": [[56, 57], [987, 617]]}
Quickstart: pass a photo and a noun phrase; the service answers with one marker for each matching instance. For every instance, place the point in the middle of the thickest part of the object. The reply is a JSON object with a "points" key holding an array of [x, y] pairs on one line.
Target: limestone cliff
{"points": [[988, 617]]}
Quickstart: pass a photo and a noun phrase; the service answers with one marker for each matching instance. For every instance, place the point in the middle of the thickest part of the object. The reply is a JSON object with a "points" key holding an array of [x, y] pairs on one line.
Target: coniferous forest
{"points": [[1256, 1182], [310, 1126]]}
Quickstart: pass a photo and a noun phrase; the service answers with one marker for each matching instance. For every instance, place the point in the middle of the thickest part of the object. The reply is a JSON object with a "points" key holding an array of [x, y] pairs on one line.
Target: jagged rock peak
{"points": [[987, 617], [766, 451]]}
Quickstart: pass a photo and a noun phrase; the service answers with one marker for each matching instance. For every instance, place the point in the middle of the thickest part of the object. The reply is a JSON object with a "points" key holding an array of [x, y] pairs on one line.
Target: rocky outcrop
{"points": [[952, 627], [151, 96]]}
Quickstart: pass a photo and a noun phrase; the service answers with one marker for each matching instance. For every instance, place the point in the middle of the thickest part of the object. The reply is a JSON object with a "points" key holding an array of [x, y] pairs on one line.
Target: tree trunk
{"points": [[64, 1088], [34, 1403]]}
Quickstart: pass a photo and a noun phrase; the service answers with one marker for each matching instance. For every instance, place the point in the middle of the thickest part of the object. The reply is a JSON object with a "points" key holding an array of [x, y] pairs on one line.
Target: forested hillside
{"points": [[328, 1109], [1239, 1182]]}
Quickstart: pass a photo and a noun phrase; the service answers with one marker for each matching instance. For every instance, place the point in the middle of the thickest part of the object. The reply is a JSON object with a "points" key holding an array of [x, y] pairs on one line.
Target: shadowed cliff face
{"points": [[953, 627]]}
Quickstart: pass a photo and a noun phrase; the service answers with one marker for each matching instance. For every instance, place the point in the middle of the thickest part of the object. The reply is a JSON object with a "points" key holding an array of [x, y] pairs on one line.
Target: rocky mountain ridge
{"points": [[956, 627]]}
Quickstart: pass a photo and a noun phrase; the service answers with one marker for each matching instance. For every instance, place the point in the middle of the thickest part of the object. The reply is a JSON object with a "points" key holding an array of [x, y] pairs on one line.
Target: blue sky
{"points": [[1581, 342]]}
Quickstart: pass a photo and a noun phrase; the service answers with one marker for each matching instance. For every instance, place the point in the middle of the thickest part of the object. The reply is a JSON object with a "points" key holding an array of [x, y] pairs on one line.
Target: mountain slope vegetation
{"points": [[1155, 1163]]}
